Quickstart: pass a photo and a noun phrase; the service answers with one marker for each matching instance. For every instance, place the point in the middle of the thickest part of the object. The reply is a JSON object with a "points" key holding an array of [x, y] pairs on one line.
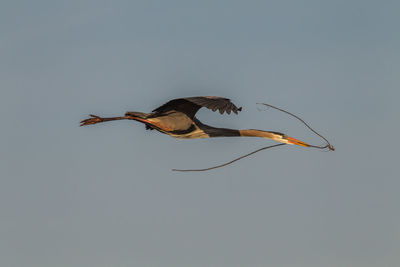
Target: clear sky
{"points": [[106, 196]]}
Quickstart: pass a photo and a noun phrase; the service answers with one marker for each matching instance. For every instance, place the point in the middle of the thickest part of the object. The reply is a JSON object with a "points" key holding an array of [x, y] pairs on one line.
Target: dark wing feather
{"points": [[215, 103], [190, 105]]}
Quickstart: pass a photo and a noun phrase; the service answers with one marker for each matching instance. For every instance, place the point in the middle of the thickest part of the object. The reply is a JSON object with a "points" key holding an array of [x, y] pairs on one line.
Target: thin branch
{"points": [[222, 165]]}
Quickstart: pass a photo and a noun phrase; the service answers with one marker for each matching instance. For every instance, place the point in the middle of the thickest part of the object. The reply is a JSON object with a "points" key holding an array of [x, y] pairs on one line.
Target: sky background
{"points": [[106, 196]]}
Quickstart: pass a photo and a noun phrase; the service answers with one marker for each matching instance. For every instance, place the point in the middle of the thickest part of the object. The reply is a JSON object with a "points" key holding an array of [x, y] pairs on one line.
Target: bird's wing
{"points": [[190, 105]]}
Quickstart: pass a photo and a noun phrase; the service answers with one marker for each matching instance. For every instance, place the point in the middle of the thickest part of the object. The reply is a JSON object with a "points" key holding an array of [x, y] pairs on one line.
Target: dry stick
{"points": [[222, 165], [328, 145]]}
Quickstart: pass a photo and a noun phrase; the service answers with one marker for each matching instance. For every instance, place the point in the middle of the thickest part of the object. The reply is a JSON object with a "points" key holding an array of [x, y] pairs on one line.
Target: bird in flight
{"points": [[177, 119]]}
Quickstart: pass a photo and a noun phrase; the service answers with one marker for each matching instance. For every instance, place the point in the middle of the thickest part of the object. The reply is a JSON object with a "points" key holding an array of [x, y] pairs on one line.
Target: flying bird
{"points": [[177, 119]]}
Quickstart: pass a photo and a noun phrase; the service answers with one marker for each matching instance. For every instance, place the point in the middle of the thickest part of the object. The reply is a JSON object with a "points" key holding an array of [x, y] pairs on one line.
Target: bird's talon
{"points": [[95, 119]]}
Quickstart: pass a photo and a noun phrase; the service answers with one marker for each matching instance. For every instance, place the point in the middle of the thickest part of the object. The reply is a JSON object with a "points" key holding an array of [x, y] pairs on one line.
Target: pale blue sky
{"points": [[106, 195]]}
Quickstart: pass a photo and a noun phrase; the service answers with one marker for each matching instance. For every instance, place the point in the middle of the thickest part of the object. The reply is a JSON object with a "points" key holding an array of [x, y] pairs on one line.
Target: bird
{"points": [[177, 118]]}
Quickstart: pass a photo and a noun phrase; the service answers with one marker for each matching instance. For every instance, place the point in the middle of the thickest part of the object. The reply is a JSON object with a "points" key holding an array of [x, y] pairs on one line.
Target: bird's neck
{"points": [[264, 134], [221, 132], [209, 131]]}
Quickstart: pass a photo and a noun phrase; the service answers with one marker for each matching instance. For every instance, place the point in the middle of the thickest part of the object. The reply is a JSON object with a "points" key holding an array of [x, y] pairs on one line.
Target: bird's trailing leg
{"points": [[96, 119]]}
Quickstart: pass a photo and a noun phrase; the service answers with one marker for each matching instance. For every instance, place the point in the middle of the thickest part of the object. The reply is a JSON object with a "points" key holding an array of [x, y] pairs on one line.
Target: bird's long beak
{"points": [[292, 140]]}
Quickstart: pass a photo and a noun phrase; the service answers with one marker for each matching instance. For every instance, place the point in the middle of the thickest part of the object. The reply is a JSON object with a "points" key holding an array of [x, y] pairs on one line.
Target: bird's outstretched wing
{"points": [[190, 105]]}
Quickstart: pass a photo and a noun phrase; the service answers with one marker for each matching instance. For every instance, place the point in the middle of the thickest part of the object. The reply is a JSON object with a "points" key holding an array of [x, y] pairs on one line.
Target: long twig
{"points": [[232, 161]]}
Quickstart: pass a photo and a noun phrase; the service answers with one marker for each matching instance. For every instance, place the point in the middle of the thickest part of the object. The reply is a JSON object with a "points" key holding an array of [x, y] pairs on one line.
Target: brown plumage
{"points": [[177, 119]]}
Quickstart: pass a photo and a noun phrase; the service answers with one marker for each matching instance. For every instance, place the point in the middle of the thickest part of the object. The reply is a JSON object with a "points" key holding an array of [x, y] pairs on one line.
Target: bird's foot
{"points": [[93, 120]]}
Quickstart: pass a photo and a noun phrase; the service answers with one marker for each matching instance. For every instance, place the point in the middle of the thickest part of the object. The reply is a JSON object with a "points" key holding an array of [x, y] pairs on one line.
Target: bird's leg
{"points": [[96, 119]]}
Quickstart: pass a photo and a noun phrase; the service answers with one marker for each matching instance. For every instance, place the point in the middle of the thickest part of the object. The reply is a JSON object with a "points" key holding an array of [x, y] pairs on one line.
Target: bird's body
{"points": [[177, 119]]}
